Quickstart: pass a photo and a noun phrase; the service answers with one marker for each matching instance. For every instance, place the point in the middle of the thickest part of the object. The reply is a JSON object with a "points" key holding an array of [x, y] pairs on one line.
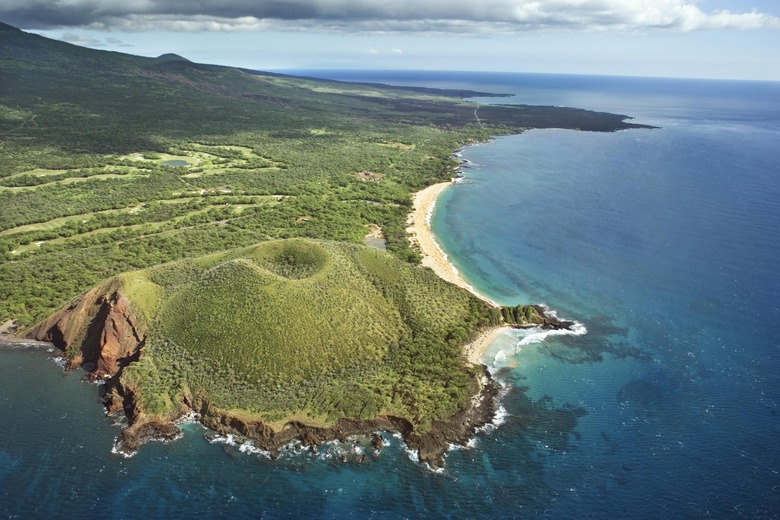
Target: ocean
{"points": [[663, 243]]}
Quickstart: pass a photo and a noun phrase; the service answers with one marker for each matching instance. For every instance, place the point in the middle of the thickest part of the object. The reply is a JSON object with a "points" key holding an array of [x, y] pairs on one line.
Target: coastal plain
{"points": [[170, 225]]}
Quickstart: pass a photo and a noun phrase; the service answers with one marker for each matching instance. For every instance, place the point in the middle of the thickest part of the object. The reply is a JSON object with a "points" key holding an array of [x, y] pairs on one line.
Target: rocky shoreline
{"points": [[431, 446], [102, 333]]}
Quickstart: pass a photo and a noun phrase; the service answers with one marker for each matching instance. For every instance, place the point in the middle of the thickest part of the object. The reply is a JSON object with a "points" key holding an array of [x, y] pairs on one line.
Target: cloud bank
{"points": [[428, 16]]}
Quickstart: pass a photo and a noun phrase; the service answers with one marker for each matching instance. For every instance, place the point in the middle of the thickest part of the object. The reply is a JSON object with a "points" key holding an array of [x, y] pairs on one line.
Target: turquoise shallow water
{"points": [[663, 243]]}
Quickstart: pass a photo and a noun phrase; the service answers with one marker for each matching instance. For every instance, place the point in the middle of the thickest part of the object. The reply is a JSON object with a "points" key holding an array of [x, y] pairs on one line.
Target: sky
{"points": [[728, 39]]}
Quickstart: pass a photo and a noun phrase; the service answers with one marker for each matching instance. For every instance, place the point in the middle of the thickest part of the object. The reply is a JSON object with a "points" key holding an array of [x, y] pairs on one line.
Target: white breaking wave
{"points": [[188, 418], [249, 448], [504, 355], [116, 451], [228, 439], [538, 335], [412, 454], [500, 417]]}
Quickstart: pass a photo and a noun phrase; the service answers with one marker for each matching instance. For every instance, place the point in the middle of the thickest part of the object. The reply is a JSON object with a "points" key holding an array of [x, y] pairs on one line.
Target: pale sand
{"points": [[376, 232], [419, 230], [476, 349], [6, 327]]}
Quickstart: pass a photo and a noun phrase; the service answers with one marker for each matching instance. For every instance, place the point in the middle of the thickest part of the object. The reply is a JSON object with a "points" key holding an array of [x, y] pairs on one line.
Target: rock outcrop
{"points": [[430, 445], [524, 316], [99, 331]]}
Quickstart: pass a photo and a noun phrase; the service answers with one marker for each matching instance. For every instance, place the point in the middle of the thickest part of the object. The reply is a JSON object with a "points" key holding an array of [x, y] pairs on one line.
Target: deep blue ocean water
{"points": [[664, 243]]}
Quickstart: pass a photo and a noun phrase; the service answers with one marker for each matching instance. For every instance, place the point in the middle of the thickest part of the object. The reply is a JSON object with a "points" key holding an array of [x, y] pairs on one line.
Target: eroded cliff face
{"points": [[100, 331]]}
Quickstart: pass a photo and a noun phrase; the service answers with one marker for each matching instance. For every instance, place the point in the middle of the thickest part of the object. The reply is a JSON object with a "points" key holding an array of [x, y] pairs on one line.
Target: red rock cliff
{"points": [[100, 331]]}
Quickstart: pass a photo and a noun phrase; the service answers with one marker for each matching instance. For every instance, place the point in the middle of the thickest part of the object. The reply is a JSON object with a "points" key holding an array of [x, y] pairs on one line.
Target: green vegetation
{"points": [[84, 134], [321, 329], [522, 315], [328, 329]]}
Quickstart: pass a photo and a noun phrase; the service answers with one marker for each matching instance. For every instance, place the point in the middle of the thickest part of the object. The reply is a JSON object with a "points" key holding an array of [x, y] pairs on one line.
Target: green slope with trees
{"points": [[299, 327], [172, 172]]}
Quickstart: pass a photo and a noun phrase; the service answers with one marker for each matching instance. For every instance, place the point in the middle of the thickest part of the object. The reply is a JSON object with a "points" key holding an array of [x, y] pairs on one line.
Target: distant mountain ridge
{"points": [[72, 70], [171, 57]]}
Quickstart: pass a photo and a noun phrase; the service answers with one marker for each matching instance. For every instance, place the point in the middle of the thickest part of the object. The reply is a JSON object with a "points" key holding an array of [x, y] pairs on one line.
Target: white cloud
{"points": [[86, 40], [465, 16], [83, 40], [116, 42], [374, 52]]}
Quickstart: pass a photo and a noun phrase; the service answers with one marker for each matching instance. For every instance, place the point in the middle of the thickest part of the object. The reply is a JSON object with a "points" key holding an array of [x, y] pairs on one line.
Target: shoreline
{"points": [[476, 349], [419, 230], [421, 235], [430, 447], [11, 341]]}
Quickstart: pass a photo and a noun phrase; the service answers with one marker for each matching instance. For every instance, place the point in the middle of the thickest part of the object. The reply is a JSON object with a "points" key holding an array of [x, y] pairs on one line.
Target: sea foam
{"points": [[538, 335]]}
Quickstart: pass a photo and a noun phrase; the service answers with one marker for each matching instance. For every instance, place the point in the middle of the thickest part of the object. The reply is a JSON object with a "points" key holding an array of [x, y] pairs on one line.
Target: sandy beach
{"points": [[419, 230], [6, 327], [420, 233], [476, 349]]}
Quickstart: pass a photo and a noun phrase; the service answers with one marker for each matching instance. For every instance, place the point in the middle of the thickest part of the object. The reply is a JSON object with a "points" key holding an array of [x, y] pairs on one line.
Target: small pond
{"points": [[378, 243], [175, 162]]}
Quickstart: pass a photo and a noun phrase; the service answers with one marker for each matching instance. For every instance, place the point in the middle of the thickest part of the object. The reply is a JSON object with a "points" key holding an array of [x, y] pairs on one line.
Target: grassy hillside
{"points": [[305, 329]]}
